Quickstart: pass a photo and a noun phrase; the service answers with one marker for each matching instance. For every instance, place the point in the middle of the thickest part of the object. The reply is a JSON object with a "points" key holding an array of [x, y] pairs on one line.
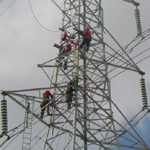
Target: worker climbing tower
{"points": [[85, 120]]}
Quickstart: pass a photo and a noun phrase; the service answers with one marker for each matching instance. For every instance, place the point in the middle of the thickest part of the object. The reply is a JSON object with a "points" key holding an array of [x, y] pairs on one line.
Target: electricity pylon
{"points": [[90, 122]]}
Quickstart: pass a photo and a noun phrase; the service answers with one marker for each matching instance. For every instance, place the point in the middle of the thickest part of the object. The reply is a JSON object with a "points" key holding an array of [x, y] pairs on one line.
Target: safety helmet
{"points": [[47, 92], [64, 37], [69, 83]]}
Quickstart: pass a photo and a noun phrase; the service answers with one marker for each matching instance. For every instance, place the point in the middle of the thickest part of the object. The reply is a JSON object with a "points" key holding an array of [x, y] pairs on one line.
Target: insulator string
{"points": [[138, 22], [4, 116], [144, 94]]}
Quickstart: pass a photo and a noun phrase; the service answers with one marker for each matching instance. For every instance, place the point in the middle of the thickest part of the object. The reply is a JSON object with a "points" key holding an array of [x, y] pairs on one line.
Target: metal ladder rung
{"points": [[26, 143], [25, 148], [26, 138], [28, 129], [27, 133]]}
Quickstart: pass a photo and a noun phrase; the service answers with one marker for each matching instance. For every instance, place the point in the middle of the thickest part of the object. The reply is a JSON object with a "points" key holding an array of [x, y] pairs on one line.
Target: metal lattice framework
{"points": [[90, 123]]}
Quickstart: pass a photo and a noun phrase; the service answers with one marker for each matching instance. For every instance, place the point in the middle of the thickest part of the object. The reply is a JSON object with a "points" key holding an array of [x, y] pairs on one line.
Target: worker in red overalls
{"points": [[86, 38], [46, 99], [64, 50]]}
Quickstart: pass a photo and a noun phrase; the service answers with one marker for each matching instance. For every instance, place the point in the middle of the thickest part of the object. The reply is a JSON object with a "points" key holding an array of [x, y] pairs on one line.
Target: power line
{"points": [[125, 70], [7, 7], [38, 20], [131, 49]]}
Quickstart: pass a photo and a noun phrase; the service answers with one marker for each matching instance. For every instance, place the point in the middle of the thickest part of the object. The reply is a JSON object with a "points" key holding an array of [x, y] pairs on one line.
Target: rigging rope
{"points": [[129, 51], [105, 29], [7, 8], [52, 75], [125, 70], [38, 20]]}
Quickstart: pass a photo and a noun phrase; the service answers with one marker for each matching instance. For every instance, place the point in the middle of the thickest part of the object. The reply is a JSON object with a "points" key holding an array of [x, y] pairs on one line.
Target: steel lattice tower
{"points": [[90, 123]]}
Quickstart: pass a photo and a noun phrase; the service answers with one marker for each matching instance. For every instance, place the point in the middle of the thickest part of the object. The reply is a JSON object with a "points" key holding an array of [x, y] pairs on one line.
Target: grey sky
{"points": [[24, 44]]}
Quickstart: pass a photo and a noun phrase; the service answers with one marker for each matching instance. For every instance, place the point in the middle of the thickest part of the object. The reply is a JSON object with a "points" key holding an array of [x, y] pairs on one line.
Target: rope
{"points": [[136, 63], [7, 7], [52, 75], [38, 20], [64, 13], [20, 133], [131, 49], [75, 59]]}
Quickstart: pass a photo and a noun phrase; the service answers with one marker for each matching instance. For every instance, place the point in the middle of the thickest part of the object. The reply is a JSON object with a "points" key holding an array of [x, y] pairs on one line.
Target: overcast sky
{"points": [[24, 44]]}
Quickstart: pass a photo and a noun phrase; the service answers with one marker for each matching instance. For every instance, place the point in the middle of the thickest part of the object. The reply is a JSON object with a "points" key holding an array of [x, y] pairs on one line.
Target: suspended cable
{"points": [[105, 28], [141, 118], [10, 142], [64, 13], [7, 7], [18, 133], [125, 70], [68, 147], [36, 136], [129, 51], [38, 20], [131, 127]]}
